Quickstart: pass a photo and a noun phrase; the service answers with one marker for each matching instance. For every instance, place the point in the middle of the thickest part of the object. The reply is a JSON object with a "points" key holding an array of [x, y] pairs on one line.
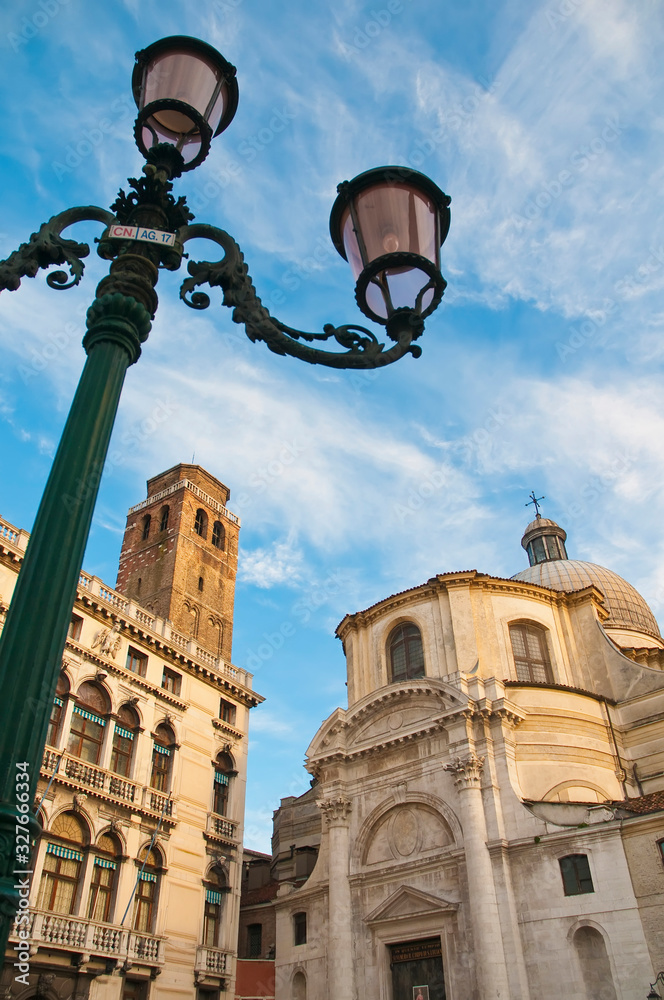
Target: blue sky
{"points": [[540, 370]]}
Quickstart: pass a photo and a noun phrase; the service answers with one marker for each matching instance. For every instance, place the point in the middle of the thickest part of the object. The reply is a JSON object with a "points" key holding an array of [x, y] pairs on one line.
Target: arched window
{"points": [[145, 900], [299, 928], [162, 757], [595, 964], [104, 874], [123, 740], [218, 535], [575, 871], [299, 989], [54, 723], [146, 526], [223, 772], [62, 864], [88, 722], [404, 653], [163, 517], [215, 890], [531, 653], [200, 524]]}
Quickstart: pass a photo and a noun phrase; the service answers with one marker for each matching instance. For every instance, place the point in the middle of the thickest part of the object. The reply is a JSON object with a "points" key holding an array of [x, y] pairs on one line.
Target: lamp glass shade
{"points": [[184, 85], [392, 211]]}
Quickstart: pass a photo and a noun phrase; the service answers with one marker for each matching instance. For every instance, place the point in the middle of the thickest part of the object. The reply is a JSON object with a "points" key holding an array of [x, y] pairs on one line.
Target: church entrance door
{"points": [[417, 970]]}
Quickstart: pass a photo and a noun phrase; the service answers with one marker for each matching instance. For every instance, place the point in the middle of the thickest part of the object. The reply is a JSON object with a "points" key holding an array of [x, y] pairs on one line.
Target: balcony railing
{"points": [[54, 930], [212, 961], [18, 538], [219, 826], [106, 783]]}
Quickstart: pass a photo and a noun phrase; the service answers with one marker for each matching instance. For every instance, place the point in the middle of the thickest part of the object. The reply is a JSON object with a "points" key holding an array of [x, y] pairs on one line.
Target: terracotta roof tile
{"points": [[652, 802], [263, 894]]}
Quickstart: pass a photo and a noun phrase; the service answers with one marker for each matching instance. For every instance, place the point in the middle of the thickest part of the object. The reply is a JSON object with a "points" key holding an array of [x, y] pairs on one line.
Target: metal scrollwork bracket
{"points": [[47, 247], [362, 348]]}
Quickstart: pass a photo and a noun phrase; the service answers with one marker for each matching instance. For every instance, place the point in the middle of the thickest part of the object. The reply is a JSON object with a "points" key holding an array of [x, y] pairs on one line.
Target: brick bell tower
{"points": [[179, 555]]}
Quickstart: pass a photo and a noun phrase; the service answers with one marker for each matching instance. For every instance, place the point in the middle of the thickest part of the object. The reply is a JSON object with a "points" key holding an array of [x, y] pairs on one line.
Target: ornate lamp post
{"points": [[654, 995], [389, 223]]}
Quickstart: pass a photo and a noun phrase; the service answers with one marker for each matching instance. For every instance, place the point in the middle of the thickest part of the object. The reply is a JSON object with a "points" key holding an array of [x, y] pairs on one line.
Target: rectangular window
{"points": [[123, 742], [136, 662], [146, 894], [220, 804], [660, 844], [255, 940], [101, 890], [54, 722], [161, 766], [211, 924], [75, 626], [86, 735], [134, 989], [227, 712], [171, 681], [575, 871], [300, 928], [59, 882]]}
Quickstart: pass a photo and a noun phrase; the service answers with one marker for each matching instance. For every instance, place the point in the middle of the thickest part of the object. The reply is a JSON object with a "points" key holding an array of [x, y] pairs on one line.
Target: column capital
{"points": [[335, 810], [468, 770]]}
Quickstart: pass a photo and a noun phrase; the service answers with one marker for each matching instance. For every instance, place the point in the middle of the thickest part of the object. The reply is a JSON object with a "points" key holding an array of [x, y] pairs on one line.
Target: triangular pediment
{"points": [[409, 902]]}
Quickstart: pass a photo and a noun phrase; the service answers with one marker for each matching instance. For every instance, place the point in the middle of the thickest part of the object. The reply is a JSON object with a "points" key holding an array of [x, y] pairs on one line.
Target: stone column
{"points": [[340, 978], [489, 953]]}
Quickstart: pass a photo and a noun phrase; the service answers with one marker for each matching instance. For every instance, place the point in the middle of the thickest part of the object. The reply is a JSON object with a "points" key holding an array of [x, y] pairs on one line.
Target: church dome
{"points": [[544, 541], [627, 609]]}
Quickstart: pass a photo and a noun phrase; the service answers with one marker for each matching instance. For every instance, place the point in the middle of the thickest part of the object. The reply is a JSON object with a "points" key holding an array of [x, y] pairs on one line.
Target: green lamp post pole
{"points": [[389, 223]]}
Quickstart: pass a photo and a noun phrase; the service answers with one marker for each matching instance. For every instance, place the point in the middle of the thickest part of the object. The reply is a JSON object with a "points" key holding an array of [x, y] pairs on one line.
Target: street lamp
{"points": [[389, 223], [654, 995]]}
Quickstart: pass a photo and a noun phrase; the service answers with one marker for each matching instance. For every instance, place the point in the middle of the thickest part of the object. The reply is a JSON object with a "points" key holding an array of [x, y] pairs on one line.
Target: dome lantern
{"points": [[544, 541]]}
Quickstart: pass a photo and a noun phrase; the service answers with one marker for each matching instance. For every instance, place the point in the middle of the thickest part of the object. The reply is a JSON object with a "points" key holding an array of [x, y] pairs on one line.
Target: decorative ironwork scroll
{"points": [[48, 246], [362, 348]]}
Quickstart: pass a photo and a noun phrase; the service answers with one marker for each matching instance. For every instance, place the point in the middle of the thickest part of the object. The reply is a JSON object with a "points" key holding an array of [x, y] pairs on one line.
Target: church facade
{"points": [[137, 876], [490, 806]]}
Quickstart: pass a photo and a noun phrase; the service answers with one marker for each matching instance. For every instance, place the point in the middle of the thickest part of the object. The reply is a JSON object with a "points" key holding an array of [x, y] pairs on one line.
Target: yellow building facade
{"points": [[137, 876]]}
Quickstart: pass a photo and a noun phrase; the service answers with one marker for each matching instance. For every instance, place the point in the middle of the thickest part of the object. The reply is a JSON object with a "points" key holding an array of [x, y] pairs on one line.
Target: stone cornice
{"points": [[399, 869], [444, 582], [163, 649], [128, 675], [301, 894], [313, 764]]}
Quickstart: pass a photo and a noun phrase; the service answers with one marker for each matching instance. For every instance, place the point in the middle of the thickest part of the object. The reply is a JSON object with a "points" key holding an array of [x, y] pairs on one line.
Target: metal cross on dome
{"points": [[536, 501]]}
